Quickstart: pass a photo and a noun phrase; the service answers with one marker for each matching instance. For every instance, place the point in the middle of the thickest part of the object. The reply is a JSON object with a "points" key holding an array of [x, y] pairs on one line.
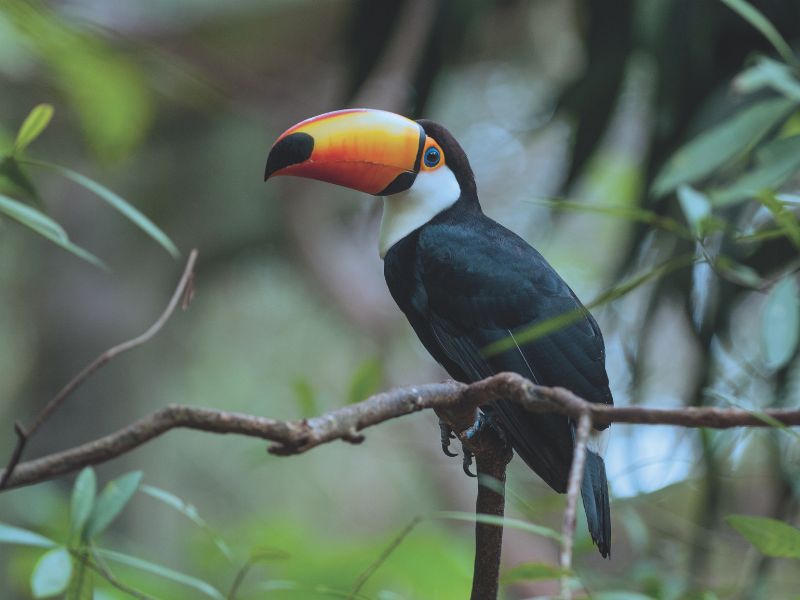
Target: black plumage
{"points": [[464, 281]]}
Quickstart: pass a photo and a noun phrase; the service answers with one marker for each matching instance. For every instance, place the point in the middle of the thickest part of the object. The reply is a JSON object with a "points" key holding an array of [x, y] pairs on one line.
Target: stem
{"points": [[491, 465]]}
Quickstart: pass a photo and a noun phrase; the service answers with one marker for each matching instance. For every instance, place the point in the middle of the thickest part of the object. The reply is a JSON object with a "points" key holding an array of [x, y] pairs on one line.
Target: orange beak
{"points": [[372, 151]]}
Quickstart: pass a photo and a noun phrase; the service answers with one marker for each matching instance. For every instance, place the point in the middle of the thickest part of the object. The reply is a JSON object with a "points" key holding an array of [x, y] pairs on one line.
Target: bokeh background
{"points": [[568, 110]]}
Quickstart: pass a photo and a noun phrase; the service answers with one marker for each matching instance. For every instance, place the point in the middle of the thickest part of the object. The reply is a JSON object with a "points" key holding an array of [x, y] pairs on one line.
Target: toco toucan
{"points": [[463, 280]]}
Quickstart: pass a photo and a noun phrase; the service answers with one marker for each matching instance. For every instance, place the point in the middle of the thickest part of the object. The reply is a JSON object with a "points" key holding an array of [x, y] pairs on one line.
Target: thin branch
{"points": [[96, 565], [573, 491], [16, 454], [251, 562], [370, 570], [182, 295], [295, 437], [101, 567]]}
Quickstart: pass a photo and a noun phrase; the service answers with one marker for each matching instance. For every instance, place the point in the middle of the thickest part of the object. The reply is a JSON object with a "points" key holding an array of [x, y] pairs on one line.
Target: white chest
{"points": [[432, 192]]}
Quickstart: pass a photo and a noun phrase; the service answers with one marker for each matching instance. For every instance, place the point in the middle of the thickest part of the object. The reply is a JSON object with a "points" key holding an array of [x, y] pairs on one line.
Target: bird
{"points": [[465, 282]]}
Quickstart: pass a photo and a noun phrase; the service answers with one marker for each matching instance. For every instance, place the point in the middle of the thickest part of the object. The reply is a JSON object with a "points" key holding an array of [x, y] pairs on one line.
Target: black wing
{"points": [[481, 284]]}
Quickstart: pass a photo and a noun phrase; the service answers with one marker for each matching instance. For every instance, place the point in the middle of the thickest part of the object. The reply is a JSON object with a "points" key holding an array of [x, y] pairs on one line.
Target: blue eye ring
{"points": [[432, 157]]}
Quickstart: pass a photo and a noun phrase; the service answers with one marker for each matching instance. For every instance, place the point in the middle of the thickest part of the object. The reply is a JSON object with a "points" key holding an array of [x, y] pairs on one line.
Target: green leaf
{"points": [[110, 503], [770, 536], [106, 88], [780, 324], [753, 16], [776, 149], [759, 236], [15, 182], [32, 126], [52, 573], [737, 272], [532, 572], [777, 161], [768, 73], [33, 219], [16, 535], [143, 565], [788, 198], [44, 226], [83, 494], [539, 530], [189, 511], [305, 397], [714, 147], [366, 381], [115, 201], [696, 207], [548, 326], [784, 218]]}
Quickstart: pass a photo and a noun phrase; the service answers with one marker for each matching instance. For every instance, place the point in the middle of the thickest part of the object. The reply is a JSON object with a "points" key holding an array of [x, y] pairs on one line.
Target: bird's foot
{"points": [[486, 420], [447, 435]]}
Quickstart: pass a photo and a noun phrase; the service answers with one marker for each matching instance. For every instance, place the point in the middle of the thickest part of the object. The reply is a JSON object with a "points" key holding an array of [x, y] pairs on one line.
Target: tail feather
{"points": [[594, 490]]}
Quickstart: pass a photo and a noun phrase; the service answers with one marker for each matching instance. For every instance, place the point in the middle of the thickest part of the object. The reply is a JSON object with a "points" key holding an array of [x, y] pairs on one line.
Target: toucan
{"points": [[464, 281]]}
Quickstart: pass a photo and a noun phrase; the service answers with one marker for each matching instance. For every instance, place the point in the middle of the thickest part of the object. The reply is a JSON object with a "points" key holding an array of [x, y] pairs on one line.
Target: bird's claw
{"points": [[483, 421], [446, 436], [468, 463]]}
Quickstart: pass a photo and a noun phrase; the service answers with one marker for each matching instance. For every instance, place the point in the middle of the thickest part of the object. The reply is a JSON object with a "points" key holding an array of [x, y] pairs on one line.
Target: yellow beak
{"points": [[372, 151]]}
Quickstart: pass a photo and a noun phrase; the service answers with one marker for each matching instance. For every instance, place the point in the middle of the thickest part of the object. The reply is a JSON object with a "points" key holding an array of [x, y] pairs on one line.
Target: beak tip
{"points": [[290, 150]]}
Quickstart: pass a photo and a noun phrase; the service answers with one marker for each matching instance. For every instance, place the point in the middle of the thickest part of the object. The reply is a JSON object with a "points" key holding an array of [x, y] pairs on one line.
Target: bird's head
{"points": [[372, 151], [417, 166]]}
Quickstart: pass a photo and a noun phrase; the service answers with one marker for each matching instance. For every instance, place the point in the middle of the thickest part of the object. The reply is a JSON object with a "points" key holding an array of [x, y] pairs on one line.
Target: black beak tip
{"points": [[291, 150]]}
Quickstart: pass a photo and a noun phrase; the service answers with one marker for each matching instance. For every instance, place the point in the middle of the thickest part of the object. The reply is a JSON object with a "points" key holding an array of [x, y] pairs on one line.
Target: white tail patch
{"points": [[598, 441]]}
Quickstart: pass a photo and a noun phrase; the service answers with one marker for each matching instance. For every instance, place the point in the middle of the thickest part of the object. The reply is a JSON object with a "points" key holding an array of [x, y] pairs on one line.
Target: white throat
{"points": [[431, 193]]}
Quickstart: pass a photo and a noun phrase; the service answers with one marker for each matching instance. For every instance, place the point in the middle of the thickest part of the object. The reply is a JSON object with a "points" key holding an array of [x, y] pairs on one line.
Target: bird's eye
{"points": [[432, 157]]}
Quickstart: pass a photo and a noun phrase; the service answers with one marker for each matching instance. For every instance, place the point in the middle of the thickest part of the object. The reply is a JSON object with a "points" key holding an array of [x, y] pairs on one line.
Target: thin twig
{"points": [[181, 295], [96, 565], [370, 570], [16, 454], [262, 556], [101, 567], [573, 491]]}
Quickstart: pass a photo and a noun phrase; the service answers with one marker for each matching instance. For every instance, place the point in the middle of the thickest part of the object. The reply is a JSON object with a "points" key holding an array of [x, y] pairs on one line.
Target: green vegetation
{"points": [[649, 148]]}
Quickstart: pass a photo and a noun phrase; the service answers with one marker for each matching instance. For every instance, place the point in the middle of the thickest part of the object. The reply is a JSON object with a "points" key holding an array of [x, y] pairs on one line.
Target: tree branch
{"points": [[295, 437], [455, 403], [181, 295]]}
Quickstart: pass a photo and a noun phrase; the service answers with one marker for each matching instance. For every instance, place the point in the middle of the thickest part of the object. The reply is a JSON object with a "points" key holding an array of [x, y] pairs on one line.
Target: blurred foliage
{"points": [[75, 563], [649, 147], [773, 538], [105, 87], [12, 174]]}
